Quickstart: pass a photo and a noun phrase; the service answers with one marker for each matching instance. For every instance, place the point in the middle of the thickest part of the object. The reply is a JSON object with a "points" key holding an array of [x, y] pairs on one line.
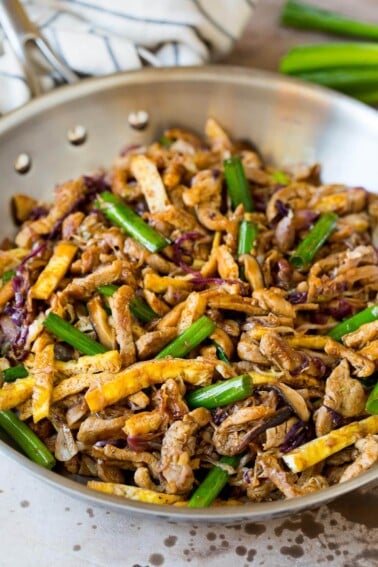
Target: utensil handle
{"points": [[21, 31]]}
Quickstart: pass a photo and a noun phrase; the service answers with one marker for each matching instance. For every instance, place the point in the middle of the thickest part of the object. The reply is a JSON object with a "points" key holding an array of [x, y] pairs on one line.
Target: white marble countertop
{"points": [[42, 527]]}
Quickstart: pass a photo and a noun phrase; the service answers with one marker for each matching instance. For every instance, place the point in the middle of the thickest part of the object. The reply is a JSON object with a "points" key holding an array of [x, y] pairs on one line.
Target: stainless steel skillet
{"points": [[290, 122]]}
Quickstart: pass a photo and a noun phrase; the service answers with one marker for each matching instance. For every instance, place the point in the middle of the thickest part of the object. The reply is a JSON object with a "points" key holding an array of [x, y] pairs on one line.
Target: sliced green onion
{"points": [[213, 483], [138, 307], [372, 401], [130, 222], [12, 374], [314, 240], [329, 55], [237, 184], [26, 439], [247, 237], [68, 333], [221, 393], [165, 141], [304, 16], [141, 310], [189, 339], [220, 353], [108, 290], [353, 323], [280, 177], [7, 276]]}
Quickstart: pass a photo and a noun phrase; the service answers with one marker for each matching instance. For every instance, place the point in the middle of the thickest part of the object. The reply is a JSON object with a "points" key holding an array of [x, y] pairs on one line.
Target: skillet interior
{"points": [[288, 121]]}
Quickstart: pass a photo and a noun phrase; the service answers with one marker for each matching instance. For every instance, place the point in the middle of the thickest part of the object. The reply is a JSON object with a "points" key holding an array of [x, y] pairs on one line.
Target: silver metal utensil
{"points": [[24, 35]]}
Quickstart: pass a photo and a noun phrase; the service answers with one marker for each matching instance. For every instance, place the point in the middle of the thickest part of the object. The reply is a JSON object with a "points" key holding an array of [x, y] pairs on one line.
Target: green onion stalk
{"points": [[189, 339], [353, 323], [247, 237], [26, 439], [314, 240], [7, 276], [316, 57], [68, 333], [213, 483], [221, 393], [14, 373], [346, 79], [138, 307], [220, 353], [237, 184], [121, 215], [304, 16]]}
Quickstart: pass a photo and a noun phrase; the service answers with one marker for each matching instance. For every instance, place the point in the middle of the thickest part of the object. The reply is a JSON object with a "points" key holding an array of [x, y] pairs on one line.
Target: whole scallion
{"points": [[14, 373], [213, 483], [221, 393], [309, 246], [346, 79], [237, 184], [68, 333], [305, 58], [189, 339], [304, 16], [121, 215], [353, 323], [26, 439]]}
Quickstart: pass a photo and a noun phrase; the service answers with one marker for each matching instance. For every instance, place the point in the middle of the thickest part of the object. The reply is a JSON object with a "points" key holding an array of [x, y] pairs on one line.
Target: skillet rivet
{"points": [[77, 135], [138, 119], [22, 163]]}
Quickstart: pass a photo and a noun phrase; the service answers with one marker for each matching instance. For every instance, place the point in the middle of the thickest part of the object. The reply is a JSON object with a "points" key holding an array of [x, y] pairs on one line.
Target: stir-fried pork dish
{"points": [[193, 326]]}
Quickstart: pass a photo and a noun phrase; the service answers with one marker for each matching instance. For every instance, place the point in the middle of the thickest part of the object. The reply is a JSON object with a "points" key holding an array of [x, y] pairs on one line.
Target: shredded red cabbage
{"points": [[282, 209], [320, 365], [299, 433], [18, 312], [219, 415], [140, 443], [57, 226], [342, 311], [337, 418], [296, 297], [178, 251], [37, 250], [38, 212], [247, 476], [120, 443], [198, 278], [95, 184], [320, 318], [127, 149], [305, 218]]}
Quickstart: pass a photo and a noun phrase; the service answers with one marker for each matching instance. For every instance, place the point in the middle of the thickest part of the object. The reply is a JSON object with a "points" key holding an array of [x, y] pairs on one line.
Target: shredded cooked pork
{"points": [[271, 321]]}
